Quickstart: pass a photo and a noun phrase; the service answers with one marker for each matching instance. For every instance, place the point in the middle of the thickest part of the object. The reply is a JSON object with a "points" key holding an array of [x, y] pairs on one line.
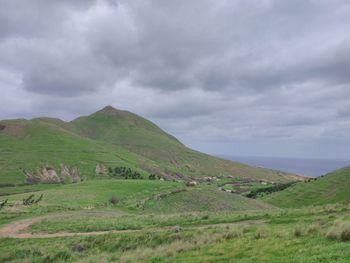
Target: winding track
{"points": [[18, 229]]}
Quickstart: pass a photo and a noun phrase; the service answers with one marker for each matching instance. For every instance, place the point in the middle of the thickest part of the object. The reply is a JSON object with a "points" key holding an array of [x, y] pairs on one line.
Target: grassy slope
{"points": [[111, 137], [204, 198], [140, 194], [141, 136], [96, 193], [332, 188], [38, 142]]}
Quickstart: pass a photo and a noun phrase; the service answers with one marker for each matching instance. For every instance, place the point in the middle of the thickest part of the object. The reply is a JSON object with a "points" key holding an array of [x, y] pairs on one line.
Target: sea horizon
{"points": [[303, 166]]}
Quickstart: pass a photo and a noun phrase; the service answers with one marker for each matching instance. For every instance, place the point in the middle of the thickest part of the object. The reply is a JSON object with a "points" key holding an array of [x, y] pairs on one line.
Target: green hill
{"points": [[113, 138], [332, 188], [143, 195], [203, 198]]}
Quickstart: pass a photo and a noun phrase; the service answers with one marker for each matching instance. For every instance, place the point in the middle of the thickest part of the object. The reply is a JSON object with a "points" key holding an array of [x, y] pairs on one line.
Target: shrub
{"points": [[177, 229], [313, 228], [339, 231], [298, 232], [330, 209], [2, 204], [78, 248], [345, 234], [124, 172], [28, 201], [114, 200], [268, 190], [232, 234], [260, 233], [39, 199], [152, 177], [332, 235]]}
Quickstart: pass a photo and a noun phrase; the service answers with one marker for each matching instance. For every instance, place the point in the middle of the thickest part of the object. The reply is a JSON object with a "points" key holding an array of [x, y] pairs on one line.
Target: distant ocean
{"points": [[307, 167]]}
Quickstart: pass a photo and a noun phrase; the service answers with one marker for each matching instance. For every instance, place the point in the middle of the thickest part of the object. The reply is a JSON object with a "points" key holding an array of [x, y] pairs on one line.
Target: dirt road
{"points": [[20, 229]]}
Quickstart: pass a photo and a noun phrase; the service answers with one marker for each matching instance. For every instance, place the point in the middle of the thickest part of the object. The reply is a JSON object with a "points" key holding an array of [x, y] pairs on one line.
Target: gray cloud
{"points": [[215, 70]]}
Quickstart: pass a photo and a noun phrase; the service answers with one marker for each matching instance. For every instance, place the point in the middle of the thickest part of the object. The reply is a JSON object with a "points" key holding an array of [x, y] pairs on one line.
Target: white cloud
{"points": [[208, 71]]}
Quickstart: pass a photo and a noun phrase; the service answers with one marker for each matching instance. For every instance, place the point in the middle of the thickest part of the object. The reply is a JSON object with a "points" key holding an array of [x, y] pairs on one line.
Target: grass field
{"points": [[158, 221], [332, 188], [193, 216]]}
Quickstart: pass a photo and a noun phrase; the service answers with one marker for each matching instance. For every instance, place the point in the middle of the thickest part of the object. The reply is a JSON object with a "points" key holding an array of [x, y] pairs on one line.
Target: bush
{"points": [[330, 209], [152, 177], [260, 233], [28, 201], [313, 228], [39, 199], [345, 235], [78, 248], [31, 200], [298, 232], [332, 235], [114, 200], [339, 231], [2, 204], [124, 172], [268, 190], [232, 234]]}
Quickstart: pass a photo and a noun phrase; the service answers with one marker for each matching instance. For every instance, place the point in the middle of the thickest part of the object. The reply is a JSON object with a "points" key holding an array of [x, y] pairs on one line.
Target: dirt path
{"points": [[17, 229]]}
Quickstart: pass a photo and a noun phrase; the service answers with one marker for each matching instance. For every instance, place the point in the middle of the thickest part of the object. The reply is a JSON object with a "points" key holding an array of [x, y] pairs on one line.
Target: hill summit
{"points": [[109, 110], [110, 138]]}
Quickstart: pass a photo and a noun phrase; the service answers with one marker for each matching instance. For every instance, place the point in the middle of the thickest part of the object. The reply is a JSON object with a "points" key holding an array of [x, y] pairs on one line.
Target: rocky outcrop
{"points": [[191, 183], [101, 169], [31, 177], [48, 174], [70, 172]]}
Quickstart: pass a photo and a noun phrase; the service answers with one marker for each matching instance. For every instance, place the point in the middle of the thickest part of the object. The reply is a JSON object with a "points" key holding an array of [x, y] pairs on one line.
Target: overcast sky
{"points": [[238, 77]]}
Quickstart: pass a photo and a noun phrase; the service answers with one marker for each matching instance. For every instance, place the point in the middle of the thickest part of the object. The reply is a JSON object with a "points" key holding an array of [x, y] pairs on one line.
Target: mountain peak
{"points": [[109, 108]]}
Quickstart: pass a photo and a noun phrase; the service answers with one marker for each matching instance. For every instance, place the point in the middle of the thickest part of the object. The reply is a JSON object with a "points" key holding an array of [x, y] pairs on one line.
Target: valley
{"points": [[113, 187]]}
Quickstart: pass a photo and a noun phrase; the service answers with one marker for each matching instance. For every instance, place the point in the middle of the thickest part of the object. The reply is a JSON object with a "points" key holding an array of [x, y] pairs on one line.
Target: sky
{"points": [[232, 77]]}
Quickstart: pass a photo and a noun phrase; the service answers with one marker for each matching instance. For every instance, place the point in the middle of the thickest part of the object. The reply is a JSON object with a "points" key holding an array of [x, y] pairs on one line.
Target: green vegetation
{"points": [[332, 188], [3, 203], [142, 196], [113, 138], [31, 200], [203, 198], [113, 220], [301, 235], [97, 193], [263, 191], [124, 172]]}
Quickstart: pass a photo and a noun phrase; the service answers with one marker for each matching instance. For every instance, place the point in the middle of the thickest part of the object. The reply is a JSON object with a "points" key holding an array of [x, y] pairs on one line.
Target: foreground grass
{"points": [[101, 220], [151, 232], [292, 236]]}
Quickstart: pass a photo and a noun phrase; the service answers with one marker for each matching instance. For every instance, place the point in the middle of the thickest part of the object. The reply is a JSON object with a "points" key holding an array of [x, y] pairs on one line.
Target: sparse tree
{"points": [[2, 204]]}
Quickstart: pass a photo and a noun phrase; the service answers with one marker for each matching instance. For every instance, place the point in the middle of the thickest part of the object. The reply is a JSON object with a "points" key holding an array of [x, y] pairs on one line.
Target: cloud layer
{"points": [[263, 77]]}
